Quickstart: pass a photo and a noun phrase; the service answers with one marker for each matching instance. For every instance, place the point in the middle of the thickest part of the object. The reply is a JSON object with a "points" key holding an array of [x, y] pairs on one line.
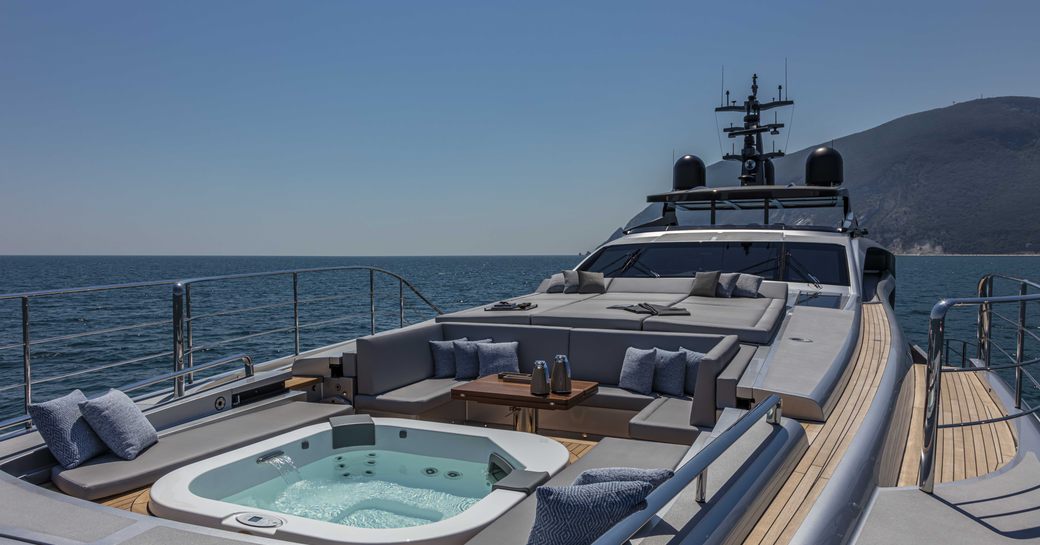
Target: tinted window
{"points": [[823, 263], [687, 258]]}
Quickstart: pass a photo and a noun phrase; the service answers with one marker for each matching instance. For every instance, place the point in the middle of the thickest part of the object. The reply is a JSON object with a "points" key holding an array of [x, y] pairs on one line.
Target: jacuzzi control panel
{"points": [[257, 520]]}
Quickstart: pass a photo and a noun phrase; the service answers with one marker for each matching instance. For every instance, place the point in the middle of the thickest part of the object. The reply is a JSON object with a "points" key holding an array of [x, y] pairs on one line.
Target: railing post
{"points": [[933, 385], [189, 353], [702, 486], [26, 358], [400, 298], [1020, 345], [985, 322], [372, 299], [178, 338], [296, 312]]}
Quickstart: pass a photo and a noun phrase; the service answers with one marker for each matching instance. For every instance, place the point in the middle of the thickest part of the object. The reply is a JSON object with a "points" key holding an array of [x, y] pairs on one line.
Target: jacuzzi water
{"points": [[371, 489]]}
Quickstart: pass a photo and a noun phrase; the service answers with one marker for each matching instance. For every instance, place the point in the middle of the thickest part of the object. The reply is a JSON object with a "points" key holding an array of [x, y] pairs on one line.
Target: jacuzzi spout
{"points": [[269, 456]]}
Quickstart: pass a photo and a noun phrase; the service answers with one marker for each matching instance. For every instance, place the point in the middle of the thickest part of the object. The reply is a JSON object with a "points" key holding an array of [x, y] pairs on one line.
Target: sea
{"points": [[101, 339]]}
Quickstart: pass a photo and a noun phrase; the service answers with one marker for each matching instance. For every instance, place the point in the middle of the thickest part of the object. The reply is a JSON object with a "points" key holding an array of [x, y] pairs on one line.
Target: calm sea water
{"points": [[341, 301]]}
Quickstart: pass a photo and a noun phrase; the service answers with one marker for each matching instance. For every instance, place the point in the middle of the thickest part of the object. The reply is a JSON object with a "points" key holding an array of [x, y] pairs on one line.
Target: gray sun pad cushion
{"points": [[494, 358], [705, 284], [119, 422], [607, 474], [747, 285], [578, 515], [591, 282], [670, 372], [467, 363], [443, 353], [637, 370], [413, 399], [68, 435], [556, 284], [571, 282], [727, 281]]}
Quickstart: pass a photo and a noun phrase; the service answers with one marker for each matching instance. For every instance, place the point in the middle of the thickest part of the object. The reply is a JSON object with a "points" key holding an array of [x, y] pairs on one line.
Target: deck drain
{"points": [[430, 471], [453, 475]]}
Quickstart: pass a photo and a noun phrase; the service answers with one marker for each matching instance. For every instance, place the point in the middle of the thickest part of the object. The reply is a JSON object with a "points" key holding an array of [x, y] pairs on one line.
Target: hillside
{"points": [[960, 179]]}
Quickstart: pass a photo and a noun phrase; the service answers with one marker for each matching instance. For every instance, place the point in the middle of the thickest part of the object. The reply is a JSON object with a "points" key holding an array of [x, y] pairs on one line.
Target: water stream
{"points": [[285, 466]]}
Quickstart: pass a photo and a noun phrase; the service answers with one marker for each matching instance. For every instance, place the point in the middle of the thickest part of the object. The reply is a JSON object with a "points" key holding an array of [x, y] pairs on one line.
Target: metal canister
{"points": [[540, 378], [560, 375]]}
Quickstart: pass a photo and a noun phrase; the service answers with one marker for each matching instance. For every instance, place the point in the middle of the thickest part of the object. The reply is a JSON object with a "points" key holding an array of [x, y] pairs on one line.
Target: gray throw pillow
{"points": [[444, 357], [747, 285], [591, 282], [119, 422], [613, 474], [467, 364], [670, 372], [727, 281], [578, 515], [555, 284], [571, 282], [68, 435], [637, 371], [693, 363], [704, 284], [495, 358]]}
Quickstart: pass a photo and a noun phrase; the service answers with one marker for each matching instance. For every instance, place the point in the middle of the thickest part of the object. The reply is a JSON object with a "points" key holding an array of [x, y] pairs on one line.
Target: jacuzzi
{"points": [[420, 482]]}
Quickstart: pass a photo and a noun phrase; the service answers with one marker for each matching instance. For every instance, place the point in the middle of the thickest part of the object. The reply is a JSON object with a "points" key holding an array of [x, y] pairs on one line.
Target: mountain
{"points": [[959, 179]]}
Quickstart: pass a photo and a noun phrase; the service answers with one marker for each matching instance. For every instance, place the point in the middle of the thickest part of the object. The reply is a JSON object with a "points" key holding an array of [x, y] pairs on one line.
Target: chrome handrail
{"points": [[938, 353], [694, 468]]}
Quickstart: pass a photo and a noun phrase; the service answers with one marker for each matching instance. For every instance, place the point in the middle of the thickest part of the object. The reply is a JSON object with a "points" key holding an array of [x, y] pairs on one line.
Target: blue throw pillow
{"points": [[747, 285], [578, 515], [467, 365], [444, 358], [67, 434], [670, 372], [693, 363], [495, 358], [727, 281], [120, 424], [637, 371], [613, 474]]}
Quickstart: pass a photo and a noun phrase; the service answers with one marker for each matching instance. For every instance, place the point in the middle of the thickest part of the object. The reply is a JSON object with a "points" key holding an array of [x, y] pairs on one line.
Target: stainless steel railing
{"points": [[182, 349], [938, 358], [696, 468]]}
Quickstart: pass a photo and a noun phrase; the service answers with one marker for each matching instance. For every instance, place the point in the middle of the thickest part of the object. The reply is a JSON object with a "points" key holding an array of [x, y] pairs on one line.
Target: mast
{"points": [[756, 165]]}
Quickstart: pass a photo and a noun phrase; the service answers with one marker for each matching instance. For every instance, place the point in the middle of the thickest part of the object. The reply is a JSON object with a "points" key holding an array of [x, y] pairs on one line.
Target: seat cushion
{"points": [[413, 399], [610, 452], [751, 320], [544, 302], [612, 397], [108, 474], [666, 420], [595, 312]]}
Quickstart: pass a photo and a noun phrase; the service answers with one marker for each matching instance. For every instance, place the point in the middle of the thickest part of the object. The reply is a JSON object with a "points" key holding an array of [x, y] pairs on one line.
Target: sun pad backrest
{"points": [[651, 285], [535, 342], [392, 359], [773, 290]]}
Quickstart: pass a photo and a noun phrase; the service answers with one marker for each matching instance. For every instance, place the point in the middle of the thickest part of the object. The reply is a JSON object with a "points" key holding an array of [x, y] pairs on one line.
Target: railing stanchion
{"points": [[1020, 345], [178, 338], [189, 353], [296, 312], [933, 385], [400, 298], [985, 323], [26, 358], [372, 299], [702, 486]]}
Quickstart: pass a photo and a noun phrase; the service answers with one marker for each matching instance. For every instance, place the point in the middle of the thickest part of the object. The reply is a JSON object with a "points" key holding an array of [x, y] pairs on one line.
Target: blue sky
{"points": [[422, 128]]}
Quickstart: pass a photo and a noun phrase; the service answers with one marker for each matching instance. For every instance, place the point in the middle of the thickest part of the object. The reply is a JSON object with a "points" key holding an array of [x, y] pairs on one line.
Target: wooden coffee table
{"points": [[518, 397]]}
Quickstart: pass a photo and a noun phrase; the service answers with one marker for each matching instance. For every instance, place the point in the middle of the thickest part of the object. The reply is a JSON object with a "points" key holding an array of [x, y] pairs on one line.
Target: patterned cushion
{"points": [[727, 281], [637, 370], [67, 434], [704, 284], [571, 282], [613, 474], [693, 361], [467, 365], [578, 515], [120, 424], [670, 372], [555, 284], [497, 358], [747, 285], [591, 282], [444, 358]]}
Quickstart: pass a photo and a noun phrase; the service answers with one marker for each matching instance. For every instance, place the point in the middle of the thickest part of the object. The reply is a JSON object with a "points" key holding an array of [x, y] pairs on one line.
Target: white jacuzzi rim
{"points": [[171, 496]]}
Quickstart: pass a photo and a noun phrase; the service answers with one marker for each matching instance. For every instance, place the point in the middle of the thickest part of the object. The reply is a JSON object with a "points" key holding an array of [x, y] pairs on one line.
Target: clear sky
{"points": [[421, 128]]}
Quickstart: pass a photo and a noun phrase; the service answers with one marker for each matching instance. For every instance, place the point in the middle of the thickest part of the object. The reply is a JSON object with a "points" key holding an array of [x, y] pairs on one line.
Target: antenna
{"points": [[722, 87], [785, 76]]}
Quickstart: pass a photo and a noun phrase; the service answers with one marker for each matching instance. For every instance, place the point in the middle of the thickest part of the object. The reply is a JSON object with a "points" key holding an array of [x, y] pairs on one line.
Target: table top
{"points": [[493, 391]]}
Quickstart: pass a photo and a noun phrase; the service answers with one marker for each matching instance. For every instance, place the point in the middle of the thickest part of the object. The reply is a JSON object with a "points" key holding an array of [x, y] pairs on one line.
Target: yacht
{"points": [[730, 366]]}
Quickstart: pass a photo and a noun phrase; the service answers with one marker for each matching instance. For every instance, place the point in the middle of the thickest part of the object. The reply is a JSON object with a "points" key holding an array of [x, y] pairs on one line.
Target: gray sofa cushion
{"points": [[753, 320], [119, 423], [747, 285], [571, 281], [613, 474], [673, 286], [705, 284], [577, 515], [467, 362], [555, 284], [693, 363], [670, 371], [667, 420], [443, 353], [68, 435], [610, 452], [637, 370], [591, 282], [596, 354], [612, 397], [405, 351], [413, 399], [108, 474], [497, 358], [727, 282], [536, 343]]}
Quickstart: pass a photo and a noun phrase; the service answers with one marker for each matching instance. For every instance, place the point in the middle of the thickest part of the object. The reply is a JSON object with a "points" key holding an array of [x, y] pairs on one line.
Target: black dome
{"points": [[824, 167], [688, 173]]}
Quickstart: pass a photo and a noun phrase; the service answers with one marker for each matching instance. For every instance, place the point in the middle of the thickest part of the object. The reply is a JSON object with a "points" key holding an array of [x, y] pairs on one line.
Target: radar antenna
{"points": [[756, 166]]}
